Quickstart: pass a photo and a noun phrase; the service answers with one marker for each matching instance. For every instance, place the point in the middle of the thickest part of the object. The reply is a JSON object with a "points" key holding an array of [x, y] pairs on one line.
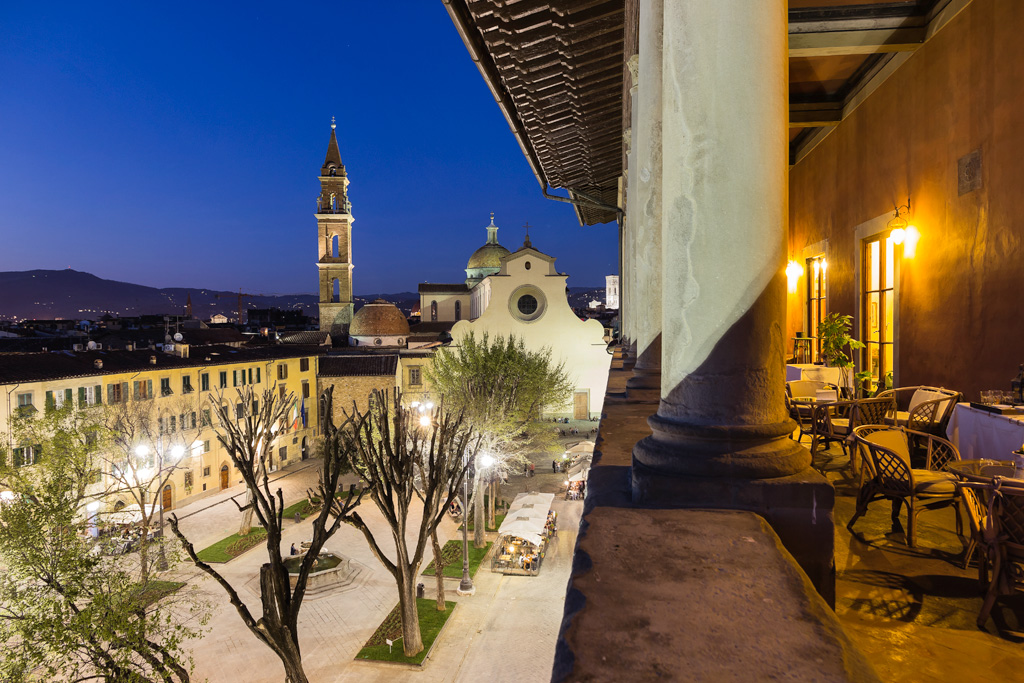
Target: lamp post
{"points": [[466, 586]]}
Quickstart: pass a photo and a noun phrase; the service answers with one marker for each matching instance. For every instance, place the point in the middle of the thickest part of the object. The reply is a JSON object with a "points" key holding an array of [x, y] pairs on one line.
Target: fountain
{"points": [[328, 569]]}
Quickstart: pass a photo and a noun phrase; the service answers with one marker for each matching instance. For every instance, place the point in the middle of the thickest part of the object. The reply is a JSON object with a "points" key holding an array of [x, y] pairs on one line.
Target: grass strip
{"points": [[231, 547], [452, 554], [157, 589], [431, 622]]}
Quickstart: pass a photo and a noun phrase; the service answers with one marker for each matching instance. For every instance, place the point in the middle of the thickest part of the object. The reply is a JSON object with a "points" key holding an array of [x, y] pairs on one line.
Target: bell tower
{"points": [[334, 227]]}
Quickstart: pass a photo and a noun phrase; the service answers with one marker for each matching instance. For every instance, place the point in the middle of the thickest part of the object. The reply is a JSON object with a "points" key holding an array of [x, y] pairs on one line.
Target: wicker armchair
{"points": [[866, 411], [1004, 538], [891, 476], [928, 409], [977, 517]]}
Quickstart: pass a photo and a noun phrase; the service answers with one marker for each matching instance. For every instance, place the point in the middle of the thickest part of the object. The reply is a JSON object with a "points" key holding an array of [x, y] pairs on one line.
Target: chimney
{"points": [[98, 363], [152, 360]]}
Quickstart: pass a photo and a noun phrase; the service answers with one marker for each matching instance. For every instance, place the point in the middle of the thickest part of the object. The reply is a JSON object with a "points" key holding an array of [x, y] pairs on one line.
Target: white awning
{"points": [[527, 517], [580, 471]]}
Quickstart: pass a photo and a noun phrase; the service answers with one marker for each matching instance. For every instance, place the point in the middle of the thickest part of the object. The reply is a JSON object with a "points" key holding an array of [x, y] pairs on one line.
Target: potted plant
{"points": [[834, 333]]}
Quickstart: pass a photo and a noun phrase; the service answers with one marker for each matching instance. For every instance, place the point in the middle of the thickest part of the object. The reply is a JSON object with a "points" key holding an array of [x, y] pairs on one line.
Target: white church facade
{"points": [[521, 293]]}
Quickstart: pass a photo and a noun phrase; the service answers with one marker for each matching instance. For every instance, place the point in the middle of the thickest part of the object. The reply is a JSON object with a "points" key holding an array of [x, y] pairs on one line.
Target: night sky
{"points": [[179, 144]]}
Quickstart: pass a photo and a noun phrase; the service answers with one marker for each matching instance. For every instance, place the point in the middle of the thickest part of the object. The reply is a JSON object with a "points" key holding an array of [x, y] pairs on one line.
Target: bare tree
{"points": [[146, 443], [389, 447], [248, 441]]}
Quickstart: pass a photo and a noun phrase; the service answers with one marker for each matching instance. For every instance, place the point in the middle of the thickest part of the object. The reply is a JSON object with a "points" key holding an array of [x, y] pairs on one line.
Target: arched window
{"points": [[458, 310], [334, 246], [336, 294], [433, 311]]}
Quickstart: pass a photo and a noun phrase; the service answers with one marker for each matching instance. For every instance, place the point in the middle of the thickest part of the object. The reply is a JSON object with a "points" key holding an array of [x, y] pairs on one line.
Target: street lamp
{"points": [[466, 585]]}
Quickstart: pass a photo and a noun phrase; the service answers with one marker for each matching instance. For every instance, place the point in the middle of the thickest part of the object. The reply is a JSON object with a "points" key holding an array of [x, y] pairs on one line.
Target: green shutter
{"points": [[82, 400], [99, 394], [257, 375], [149, 388], [18, 456], [110, 394], [69, 397], [135, 390], [124, 392], [50, 405]]}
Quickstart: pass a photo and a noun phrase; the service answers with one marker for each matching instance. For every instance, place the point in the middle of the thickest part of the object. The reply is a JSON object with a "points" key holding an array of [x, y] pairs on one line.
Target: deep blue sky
{"points": [[178, 145]]}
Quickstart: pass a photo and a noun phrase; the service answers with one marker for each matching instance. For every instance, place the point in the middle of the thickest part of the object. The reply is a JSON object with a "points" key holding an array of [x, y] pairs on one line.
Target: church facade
{"points": [[522, 294]]}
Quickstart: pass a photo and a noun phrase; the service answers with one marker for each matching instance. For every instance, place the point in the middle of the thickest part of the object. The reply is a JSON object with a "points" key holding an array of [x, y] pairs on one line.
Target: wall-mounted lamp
{"points": [[900, 232], [793, 273]]}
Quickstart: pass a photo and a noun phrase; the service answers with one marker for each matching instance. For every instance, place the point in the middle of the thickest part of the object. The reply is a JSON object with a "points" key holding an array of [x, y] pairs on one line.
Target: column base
{"points": [[798, 507], [644, 385], [757, 451]]}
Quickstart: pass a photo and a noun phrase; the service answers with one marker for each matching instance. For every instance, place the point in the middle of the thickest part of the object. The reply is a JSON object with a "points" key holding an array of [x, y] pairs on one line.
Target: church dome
{"points": [[487, 256], [379, 319]]}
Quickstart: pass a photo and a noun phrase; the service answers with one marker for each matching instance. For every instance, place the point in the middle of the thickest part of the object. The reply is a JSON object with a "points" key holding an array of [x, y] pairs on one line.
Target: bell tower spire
{"points": [[334, 226]]}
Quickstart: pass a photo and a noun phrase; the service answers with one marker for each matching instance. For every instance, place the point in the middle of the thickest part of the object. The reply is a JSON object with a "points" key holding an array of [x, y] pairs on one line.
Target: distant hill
{"points": [[74, 295]]}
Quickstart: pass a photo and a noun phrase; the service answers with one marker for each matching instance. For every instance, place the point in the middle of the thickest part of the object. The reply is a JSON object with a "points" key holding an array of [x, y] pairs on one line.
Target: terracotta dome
{"points": [[487, 256], [379, 319]]}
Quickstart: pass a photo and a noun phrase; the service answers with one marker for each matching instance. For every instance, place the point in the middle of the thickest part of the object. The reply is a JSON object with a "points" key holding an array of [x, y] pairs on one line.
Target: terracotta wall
{"points": [[961, 315]]}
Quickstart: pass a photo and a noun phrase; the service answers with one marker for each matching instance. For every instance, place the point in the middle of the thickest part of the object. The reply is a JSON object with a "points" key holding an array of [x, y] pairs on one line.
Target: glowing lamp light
{"points": [[424, 421], [910, 242], [793, 273], [898, 235], [142, 450], [486, 460], [177, 452]]}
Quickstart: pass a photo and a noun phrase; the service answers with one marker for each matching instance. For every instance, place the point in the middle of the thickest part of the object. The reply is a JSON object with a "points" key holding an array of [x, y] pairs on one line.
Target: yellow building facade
{"points": [[166, 404]]}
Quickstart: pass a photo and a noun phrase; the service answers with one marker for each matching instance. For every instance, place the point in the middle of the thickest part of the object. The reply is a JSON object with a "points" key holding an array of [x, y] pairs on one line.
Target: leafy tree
{"points": [[248, 441], [66, 612], [390, 448], [501, 388]]}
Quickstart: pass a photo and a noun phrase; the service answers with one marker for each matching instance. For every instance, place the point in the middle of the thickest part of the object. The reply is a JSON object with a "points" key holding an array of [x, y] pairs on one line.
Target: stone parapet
{"points": [[697, 595]]}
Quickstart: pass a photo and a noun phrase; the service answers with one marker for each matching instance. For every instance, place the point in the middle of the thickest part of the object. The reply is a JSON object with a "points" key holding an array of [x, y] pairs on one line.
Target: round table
{"points": [[985, 470]]}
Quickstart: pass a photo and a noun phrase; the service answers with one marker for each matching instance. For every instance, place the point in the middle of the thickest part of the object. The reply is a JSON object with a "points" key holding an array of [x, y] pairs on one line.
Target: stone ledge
{"points": [[696, 595]]}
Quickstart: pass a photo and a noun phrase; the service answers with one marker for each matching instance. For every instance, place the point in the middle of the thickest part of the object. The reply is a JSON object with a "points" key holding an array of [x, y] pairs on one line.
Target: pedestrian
{"points": [[554, 467], [526, 469], [531, 469], [293, 550]]}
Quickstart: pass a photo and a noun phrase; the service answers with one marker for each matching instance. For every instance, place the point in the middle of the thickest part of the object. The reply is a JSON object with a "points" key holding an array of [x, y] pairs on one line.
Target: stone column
{"points": [[628, 311], [721, 434], [646, 381]]}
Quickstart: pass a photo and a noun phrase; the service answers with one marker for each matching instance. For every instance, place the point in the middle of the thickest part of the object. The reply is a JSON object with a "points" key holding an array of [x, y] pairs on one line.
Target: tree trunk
{"points": [[412, 639], [438, 571], [478, 513], [491, 503], [274, 588]]}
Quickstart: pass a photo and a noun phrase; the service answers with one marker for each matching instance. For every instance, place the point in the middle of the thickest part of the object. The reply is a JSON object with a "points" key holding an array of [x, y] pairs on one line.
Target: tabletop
{"points": [[985, 470]]}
